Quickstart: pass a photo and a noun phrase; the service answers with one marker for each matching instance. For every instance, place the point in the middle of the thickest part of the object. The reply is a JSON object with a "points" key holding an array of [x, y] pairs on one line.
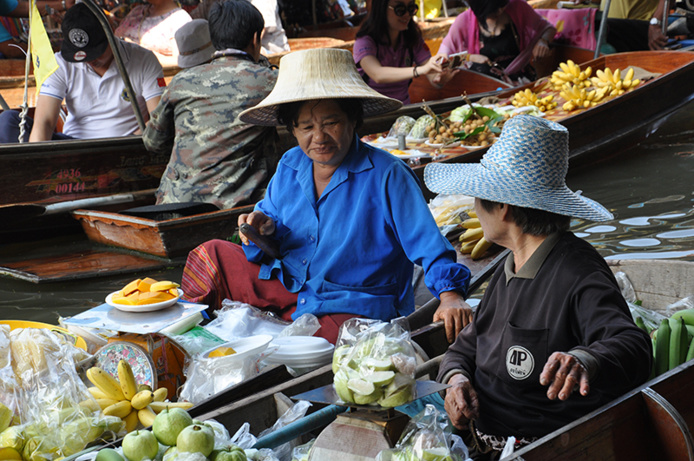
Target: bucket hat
{"points": [[194, 43], [322, 73], [525, 167], [84, 39]]}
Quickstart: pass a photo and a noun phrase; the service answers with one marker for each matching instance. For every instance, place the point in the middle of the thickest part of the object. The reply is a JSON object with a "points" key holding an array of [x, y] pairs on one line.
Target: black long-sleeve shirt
{"points": [[565, 299]]}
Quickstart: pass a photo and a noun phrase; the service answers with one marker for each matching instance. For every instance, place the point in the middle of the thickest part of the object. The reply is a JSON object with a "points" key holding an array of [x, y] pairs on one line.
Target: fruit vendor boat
{"points": [[653, 420]]}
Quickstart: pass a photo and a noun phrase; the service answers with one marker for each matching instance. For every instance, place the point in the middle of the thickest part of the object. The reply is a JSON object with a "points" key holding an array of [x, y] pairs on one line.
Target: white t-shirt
{"points": [[97, 105], [274, 37]]}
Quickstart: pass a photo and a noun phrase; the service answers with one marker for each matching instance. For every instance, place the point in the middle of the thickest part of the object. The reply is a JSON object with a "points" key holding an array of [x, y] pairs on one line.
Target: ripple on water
{"points": [[600, 229], [677, 234], [640, 242], [645, 220], [581, 234], [660, 255]]}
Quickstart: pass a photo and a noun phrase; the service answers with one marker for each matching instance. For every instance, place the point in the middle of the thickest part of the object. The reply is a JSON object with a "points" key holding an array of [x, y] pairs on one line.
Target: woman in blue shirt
{"points": [[350, 219]]}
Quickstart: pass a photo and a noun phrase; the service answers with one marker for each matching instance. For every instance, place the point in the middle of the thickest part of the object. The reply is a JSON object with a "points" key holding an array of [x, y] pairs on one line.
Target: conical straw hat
{"points": [[322, 73]]}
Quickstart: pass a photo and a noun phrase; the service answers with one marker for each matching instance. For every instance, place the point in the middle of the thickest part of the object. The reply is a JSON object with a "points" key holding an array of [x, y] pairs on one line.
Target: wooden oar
{"points": [[424, 315], [23, 211]]}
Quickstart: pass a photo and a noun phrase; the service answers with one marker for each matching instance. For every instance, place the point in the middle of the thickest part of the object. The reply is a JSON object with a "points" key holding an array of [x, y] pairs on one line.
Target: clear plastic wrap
{"points": [[427, 437], [450, 210], [58, 414], [374, 363], [296, 412], [402, 125], [302, 452], [239, 320], [651, 318]]}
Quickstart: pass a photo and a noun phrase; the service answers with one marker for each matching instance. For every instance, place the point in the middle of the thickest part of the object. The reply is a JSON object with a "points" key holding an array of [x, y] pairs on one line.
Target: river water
{"points": [[649, 188]]}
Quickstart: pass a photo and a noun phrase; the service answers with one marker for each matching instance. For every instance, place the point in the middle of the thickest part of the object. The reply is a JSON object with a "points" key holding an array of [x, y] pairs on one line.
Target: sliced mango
{"points": [[154, 297], [130, 287], [146, 284], [163, 286]]}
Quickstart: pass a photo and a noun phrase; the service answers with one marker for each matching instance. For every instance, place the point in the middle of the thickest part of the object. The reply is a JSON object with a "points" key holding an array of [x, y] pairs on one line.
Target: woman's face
{"points": [[324, 132], [400, 23], [490, 221]]}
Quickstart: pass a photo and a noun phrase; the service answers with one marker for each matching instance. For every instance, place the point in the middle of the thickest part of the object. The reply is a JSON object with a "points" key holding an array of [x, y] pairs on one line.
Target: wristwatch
{"points": [[655, 22]]}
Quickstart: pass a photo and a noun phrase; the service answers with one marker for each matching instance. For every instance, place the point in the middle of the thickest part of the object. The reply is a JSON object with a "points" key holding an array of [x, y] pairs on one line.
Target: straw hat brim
{"points": [[475, 180], [317, 74]]}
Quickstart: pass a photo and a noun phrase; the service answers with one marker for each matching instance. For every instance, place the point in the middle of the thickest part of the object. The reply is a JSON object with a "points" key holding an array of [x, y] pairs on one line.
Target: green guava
{"points": [[108, 454], [139, 445], [400, 397], [196, 439], [169, 423]]}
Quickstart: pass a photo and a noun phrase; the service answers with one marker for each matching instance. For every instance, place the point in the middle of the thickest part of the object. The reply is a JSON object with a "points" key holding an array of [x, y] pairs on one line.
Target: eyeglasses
{"points": [[400, 9]]}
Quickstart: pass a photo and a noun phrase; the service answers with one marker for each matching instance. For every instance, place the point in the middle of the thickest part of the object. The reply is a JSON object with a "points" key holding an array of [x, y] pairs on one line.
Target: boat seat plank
{"points": [[669, 425], [680, 391], [79, 265]]}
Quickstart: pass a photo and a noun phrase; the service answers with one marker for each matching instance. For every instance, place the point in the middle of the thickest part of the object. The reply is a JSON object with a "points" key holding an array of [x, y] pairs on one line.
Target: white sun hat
{"points": [[322, 73], [525, 167]]}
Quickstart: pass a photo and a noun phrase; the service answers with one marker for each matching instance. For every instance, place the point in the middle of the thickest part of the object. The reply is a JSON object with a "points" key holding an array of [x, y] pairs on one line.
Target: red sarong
{"points": [[218, 270]]}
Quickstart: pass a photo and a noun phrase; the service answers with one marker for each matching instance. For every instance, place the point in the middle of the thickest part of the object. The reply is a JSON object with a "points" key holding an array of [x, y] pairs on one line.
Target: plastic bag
{"points": [[374, 363], [58, 414], [402, 125], [650, 317], [302, 452], [427, 436], [450, 211], [296, 412], [239, 320], [684, 303]]}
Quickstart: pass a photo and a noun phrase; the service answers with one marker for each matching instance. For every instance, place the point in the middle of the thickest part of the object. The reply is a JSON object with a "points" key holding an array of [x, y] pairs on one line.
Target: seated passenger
{"points": [[502, 38], [9, 47], [274, 39], [216, 158], [552, 338], [194, 43], [88, 80], [349, 219], [152, 25], [389, 50]]}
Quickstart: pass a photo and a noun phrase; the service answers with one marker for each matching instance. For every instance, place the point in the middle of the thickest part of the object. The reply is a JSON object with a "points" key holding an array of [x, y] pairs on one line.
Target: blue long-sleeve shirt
{"points": [[353, 249]]}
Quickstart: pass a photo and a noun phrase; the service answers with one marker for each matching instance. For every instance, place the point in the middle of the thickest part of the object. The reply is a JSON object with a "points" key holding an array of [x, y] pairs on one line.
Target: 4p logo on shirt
{"points": [[520, 363]]}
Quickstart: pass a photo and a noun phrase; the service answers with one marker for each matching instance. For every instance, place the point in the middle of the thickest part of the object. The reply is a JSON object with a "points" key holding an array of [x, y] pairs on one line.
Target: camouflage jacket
{"points": [[215, 157]]}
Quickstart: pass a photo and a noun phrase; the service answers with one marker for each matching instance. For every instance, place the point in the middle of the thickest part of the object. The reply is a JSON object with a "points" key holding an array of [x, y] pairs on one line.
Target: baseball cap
{"points": [[83, 37]]}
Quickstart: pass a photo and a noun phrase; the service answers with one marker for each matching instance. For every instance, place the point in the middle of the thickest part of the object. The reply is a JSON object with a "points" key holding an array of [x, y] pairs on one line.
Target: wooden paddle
{"points": [[24, 211], [424, 315]]}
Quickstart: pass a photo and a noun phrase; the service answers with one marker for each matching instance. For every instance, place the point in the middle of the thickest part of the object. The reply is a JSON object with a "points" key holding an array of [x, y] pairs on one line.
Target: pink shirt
{"points": [[464, 33], [390, 57], [155, 33]]}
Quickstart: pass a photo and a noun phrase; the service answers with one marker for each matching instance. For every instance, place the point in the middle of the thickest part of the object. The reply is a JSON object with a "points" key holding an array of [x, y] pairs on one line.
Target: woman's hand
{"points": [[480, 59], [454, 312], [258, 220], [541, 49], [563, 372], [656, 39], [461, 401], [432, 66]]}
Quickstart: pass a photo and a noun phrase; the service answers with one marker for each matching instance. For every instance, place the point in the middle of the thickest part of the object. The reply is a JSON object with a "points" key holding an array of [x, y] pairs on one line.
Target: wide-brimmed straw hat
{"points": [[323, 73], [526, 167], [194, 43]]}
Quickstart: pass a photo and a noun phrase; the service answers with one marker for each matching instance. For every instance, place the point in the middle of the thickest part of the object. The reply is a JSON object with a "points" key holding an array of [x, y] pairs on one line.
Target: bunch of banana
{"points": [[123, 397], [673, 344], [572, 74], [613, 81], [472, 240], [447, 214], [581, 98], [528, 98]]}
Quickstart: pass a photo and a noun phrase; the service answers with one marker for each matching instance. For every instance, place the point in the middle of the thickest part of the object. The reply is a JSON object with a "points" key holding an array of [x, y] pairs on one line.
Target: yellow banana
{"points": [[10, 454], [471, 223], [472, 234], [105, 403], [630, 74], [146, 416], [142, 399], [472, 213], [106, 383], [616, 76], [120, 409], [160, 394], [163, 286], [160, 406], [96, 392], [481, 247], [131, 421], [466, 248], [127, 379], [565, 67]]}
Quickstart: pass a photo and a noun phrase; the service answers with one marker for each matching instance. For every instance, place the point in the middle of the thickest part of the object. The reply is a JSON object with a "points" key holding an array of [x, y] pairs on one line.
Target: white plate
{"points": [[302, 344], [525, 109], [143, 307], [410, 153], [451, 144], [243, 347]]}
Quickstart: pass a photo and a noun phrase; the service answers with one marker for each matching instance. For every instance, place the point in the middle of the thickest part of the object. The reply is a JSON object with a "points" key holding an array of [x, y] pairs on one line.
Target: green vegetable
{"points": [[419, 129]]}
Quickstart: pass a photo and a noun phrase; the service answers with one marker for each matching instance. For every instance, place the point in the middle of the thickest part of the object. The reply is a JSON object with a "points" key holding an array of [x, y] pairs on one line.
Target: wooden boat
{"points": [[655, 419]]}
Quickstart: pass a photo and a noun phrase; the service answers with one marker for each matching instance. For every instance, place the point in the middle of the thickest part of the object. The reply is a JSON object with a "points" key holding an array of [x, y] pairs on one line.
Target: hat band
{"points": [[195, 50]]}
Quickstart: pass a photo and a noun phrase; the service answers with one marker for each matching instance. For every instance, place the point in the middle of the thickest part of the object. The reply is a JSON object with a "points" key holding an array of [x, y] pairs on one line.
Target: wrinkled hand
{"points": [[454, 312], [656, 39], [563, 372], [461, 401], [260, 221]]}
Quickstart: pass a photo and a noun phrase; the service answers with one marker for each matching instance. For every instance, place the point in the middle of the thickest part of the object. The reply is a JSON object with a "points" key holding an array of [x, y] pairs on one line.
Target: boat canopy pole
{"points": [[119, 60], [601, 31]]}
